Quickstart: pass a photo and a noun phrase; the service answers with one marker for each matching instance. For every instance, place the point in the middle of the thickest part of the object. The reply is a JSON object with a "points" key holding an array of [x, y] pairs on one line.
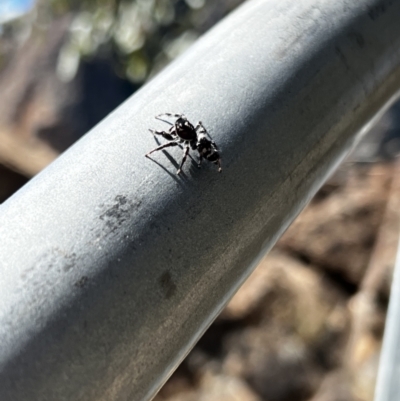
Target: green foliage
{"points": [[139, 36]]}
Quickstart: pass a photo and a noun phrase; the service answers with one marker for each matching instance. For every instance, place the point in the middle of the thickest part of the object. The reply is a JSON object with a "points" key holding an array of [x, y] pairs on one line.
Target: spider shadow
{"points": [[182, 176]]}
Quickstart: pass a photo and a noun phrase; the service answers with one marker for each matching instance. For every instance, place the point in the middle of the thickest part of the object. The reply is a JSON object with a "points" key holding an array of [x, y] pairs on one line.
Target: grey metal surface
{"points": [[388, 383], [111, 266]]}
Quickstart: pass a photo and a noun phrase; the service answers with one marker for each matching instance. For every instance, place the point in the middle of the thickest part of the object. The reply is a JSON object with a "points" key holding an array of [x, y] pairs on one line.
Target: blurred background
{"points": [[308, 323]]}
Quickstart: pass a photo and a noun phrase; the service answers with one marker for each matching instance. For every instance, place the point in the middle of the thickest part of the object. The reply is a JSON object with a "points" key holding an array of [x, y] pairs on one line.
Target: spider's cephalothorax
{"points": [[182, 132]]}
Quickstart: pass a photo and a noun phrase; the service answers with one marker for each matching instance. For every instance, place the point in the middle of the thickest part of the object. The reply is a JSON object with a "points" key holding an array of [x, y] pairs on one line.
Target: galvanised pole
{"points": [[388, 384], [112, 266]]}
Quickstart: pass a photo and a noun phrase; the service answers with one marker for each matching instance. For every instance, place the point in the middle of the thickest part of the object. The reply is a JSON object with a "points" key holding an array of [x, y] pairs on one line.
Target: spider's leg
{"points": [[203, 131], [159, 117], [198, 126], [185, 153], [200, 160], [161, 147], [164, 134], [180, 145], [171, 115], [219, 165]]}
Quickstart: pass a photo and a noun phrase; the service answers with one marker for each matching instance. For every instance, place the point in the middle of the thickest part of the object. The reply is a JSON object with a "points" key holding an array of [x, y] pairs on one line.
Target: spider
{"points": [[183, 132]]}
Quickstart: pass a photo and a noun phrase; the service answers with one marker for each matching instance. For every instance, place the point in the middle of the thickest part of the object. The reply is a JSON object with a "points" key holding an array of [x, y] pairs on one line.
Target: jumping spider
{"points": [[183, 132]]}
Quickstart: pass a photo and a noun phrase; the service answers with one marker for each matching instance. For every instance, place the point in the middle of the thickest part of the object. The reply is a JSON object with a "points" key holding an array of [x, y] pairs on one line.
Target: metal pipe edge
{"points": [[112, 266], [387, 385]]}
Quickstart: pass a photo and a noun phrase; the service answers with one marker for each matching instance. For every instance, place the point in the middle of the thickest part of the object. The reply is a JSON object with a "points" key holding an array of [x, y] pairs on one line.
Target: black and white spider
{"points": [[182, 132]]}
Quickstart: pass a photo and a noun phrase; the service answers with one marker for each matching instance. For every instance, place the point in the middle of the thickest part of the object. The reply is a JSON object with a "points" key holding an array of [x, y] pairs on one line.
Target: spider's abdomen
{"points": [[207, 149], [213, 157], [203, 146]]}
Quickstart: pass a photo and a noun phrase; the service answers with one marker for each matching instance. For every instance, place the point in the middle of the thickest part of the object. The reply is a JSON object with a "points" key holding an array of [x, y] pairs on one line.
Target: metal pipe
{"points": [[387, 385], [112, 266]]}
